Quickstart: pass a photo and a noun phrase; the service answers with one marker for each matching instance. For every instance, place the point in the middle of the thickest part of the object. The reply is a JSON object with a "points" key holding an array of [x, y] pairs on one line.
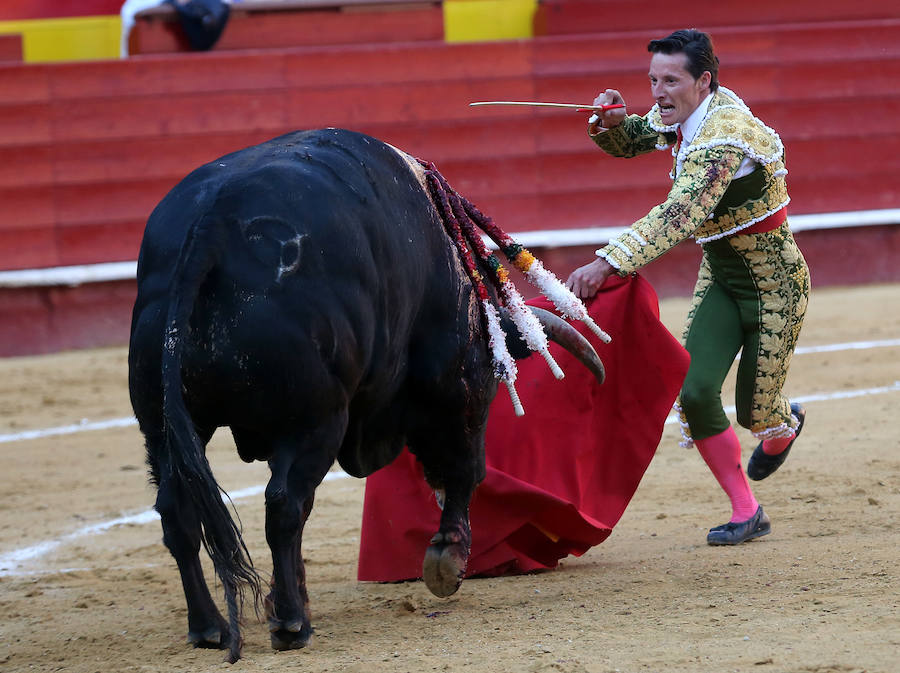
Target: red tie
{"points": [[680, 136]]}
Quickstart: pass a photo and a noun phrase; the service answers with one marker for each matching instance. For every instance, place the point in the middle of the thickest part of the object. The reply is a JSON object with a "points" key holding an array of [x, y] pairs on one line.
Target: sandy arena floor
{"points": [[818, 595]]}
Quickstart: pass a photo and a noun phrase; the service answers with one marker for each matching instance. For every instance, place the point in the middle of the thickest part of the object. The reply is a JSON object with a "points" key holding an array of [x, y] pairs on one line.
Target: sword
{"points": [[575, 106]]}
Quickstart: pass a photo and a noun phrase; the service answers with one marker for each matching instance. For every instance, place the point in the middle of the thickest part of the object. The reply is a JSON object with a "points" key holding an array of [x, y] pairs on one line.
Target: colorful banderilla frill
{"points": [[462, 221]]}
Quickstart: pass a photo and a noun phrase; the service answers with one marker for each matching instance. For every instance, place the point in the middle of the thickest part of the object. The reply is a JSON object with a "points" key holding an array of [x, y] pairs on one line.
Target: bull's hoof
{"points": [[444, 565], [289, 635]]}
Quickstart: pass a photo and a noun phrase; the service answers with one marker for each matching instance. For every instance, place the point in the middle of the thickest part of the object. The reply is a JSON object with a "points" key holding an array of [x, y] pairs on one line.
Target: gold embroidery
{"points": [[783, 283], [704, 177]]}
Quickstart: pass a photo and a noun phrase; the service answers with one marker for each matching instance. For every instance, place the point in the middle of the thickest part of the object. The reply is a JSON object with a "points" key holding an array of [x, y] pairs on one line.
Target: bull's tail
{"points": [[184, 459]]}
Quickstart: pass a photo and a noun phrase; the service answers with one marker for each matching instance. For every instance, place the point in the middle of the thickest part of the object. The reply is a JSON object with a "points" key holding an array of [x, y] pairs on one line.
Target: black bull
{"points": [[304, 293]]}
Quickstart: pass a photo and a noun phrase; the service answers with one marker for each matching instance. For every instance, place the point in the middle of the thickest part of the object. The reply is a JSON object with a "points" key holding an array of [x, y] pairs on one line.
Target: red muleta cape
{"points": [[559, 477]]}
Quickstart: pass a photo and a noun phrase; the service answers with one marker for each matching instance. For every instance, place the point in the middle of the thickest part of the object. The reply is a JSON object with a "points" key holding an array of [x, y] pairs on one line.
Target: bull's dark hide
{"points": [[303, 293]]}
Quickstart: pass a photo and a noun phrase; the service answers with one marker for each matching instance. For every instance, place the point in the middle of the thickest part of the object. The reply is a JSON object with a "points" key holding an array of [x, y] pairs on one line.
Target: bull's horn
{"points": [[568, 337]]}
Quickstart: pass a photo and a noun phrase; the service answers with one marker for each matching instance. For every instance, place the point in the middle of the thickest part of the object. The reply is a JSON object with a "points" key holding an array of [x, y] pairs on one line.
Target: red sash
{"points": [[769, 223]]}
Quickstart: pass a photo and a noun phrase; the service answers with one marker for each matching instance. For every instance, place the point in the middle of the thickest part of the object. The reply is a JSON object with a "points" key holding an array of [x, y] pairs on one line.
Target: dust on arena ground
{"points": [[817, 595]]}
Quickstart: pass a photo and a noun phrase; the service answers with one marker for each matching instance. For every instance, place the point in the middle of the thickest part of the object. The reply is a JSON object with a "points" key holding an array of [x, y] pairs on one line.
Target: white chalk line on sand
{"points": [[11, 561]]}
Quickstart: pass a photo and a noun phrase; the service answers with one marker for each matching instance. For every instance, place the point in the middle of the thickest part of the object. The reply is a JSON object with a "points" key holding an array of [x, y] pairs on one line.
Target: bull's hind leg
{"points": [[454, 464], [297, 469], [181, 535]]}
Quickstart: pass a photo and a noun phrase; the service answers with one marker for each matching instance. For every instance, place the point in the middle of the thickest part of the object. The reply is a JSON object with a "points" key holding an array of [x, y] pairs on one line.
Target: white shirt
{"points": [[691, 125]]}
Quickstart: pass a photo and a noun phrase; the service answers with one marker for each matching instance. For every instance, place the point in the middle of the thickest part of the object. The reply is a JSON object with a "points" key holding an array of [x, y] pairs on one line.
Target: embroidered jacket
{"points": [[705, 201]]}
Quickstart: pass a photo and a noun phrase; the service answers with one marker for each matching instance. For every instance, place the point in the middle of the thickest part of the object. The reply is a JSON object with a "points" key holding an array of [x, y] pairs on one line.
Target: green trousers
{"points": [[751, 295]]}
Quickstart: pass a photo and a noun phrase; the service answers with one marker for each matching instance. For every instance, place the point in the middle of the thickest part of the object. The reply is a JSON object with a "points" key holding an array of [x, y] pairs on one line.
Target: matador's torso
{"points": [[706, 200]]}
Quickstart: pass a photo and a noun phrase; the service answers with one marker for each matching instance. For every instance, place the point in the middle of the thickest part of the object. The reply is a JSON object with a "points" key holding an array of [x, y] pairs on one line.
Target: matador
{"points": [[751, 294]]}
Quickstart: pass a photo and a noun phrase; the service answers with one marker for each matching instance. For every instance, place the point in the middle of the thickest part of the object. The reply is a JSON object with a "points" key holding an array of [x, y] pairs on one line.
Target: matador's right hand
{"points": [[607, 119]]}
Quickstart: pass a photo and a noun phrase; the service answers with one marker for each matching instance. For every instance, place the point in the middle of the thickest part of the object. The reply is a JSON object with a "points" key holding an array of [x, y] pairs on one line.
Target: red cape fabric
{"points": [[559, 477]]}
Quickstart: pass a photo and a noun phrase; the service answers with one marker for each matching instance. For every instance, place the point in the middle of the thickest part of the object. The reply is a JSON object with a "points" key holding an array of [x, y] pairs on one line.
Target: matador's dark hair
{"points": [[698, 48]]}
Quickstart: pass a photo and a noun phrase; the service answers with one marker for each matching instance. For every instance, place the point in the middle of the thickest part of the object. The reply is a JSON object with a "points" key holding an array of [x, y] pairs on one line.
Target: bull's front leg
{"points": [[455, 472], [448, 552]]}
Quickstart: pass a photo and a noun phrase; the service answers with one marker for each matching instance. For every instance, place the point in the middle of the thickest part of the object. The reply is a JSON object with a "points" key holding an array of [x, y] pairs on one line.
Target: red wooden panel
{"points": [[876, 158], [12, 10], [734, 44], [479, 178], [181, 73], [25, 123], [363, 64], [557, 17], [520, 212], [383, 64], [846, 79], [28, 248], [288, 28], [26, 206], [22, 167], [441, 141], [11, 47], [836, 119], [155, 116], [170, 157], [28, 333], [51, 319], [601, 205], [91, 315], [811, 81], [23, 83], [362, 24], [101, 242], [551, 172], [814, 41], [93, 203], [867, 255], [353, 106], [810, 194]]}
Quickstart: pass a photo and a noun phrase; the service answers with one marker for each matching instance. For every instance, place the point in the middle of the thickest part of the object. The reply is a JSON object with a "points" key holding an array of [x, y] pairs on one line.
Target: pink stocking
{"points": [[773, 447], [722, 454]]}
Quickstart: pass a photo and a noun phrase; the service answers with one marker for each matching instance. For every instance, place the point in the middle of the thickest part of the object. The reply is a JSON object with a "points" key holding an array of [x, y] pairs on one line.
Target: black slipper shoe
{"points": [[761, 464], [741, 531]]}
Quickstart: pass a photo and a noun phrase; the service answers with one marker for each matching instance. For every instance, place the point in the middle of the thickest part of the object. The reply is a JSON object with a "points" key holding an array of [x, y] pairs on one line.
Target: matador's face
{"points": [[674, 89]]}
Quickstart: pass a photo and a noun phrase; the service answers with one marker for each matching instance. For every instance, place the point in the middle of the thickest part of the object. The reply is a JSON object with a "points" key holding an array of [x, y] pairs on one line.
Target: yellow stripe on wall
{"points": [[483, 20], [67, 39]]}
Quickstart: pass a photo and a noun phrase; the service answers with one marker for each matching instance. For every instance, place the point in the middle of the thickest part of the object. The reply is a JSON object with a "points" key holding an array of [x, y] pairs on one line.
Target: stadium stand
{"points": [[88, 148]]}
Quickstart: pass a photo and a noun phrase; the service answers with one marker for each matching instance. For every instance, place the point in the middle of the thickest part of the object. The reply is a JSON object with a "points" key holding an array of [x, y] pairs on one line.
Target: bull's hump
{"points": [[417, 169]]}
